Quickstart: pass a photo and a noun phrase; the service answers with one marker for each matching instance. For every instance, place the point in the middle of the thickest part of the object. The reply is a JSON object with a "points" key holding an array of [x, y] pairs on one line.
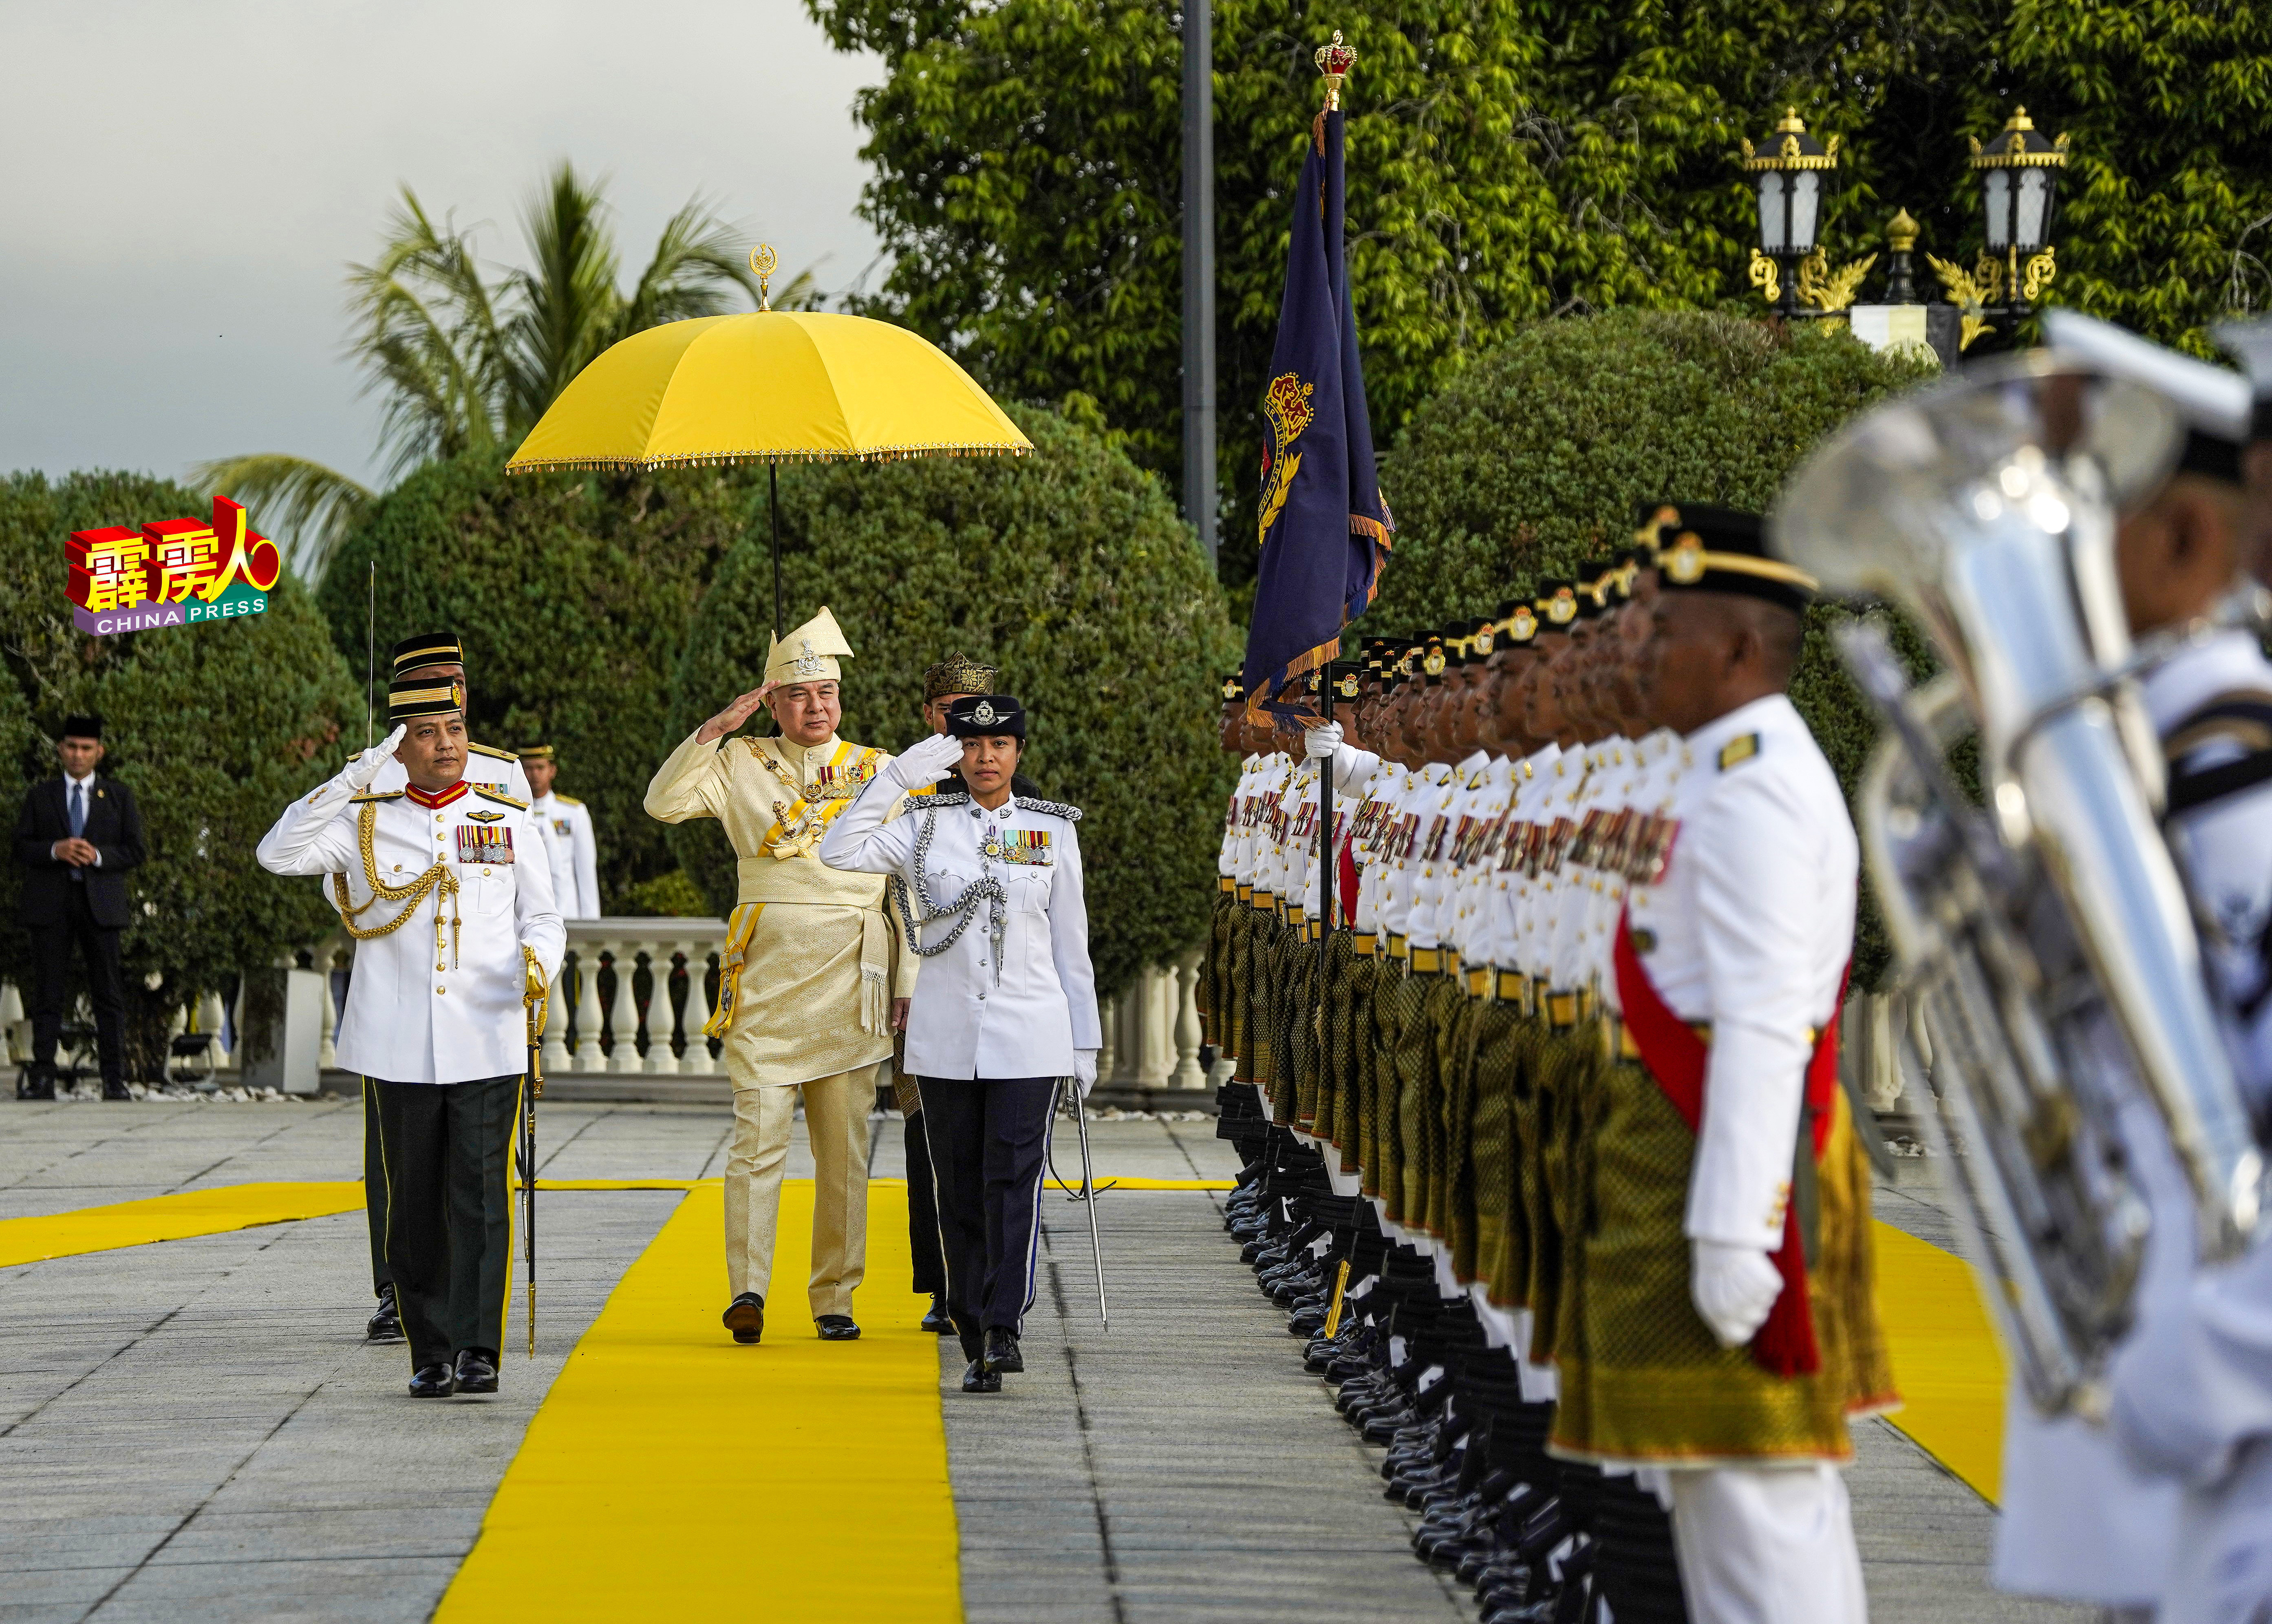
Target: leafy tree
{"points": [[466, 363], [572, 594], [2168, 194], [1067, 568], [215, 729], [1538, 454], [1509, 159]]}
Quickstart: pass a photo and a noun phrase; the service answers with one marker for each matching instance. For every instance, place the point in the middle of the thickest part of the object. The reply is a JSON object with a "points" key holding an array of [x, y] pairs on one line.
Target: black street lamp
{"points": [[2019, 175], [1789, 171]]}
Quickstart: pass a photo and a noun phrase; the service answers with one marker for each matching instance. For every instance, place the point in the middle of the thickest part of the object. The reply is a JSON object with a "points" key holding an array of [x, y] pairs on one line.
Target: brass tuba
{"points": [[2047, 952]]}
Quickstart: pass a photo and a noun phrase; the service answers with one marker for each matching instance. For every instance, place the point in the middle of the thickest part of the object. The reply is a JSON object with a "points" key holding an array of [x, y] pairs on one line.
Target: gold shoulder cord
{"points": [[438, 877]]}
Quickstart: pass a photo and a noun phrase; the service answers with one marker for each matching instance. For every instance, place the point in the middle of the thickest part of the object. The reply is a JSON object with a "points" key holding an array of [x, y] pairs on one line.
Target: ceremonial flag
{"points": [[1324, 528]]}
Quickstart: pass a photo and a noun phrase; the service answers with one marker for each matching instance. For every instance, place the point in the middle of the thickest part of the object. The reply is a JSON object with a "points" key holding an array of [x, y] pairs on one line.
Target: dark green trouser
{"points": [[374, 1190], [449, 1238]]}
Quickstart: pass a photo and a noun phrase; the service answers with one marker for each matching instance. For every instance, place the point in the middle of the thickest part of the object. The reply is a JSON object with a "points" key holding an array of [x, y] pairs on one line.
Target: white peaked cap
{"points": [[810, 652], [2210, 400]]}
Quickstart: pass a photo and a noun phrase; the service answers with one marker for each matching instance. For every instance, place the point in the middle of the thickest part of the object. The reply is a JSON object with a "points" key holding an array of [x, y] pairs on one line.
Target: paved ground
{"points": [[195, 1430]]}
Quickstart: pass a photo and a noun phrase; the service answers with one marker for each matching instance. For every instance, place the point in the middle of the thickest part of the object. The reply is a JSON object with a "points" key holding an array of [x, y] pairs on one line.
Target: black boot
{"points": [[745, 1317], [385, 1323], [939, 1323], [39, 1083], [476, 1371], [1002, 1354]]}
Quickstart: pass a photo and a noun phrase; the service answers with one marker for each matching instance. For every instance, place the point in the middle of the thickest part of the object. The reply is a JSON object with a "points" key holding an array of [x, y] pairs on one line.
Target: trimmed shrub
{"points": [[1536, 455], [1071, 571], [215, 729]]}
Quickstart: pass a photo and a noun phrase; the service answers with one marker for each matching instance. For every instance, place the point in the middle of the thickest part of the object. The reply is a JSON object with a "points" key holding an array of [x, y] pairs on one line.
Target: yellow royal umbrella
{"points": [[773, 386]]}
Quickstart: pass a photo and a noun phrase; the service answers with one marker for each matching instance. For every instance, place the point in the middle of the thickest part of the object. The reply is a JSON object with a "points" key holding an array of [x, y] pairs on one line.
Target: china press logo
{"points": [[173, 572]]}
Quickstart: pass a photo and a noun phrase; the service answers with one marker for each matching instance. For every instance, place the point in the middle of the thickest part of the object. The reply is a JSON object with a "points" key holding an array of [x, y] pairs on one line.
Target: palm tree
{"points": [[464, 363]]}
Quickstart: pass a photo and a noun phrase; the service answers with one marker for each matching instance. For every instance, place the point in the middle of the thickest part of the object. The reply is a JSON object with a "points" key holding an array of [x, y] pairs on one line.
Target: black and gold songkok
{"points": [[1234, 689], [1724, 550], [408, 697], [1558, 605], [535, 752], [428, 648]]}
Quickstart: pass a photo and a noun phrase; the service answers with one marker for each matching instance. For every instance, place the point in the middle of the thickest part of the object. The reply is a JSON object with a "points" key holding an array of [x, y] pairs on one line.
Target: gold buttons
{"points": [[441, 990]]}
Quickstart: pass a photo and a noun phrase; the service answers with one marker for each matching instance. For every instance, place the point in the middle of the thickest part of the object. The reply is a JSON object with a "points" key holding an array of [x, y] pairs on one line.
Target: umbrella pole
{"points": [[773, 502]]}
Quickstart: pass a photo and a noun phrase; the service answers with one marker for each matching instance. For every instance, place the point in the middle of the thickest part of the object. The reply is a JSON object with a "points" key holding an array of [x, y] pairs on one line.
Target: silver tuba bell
{"points": [[2047, 953]]}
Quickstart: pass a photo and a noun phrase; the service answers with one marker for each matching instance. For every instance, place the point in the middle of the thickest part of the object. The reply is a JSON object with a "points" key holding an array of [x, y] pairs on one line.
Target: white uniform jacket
{"points": [[1750, 929], [566, 825], [1024, 1013], [438, 998]]}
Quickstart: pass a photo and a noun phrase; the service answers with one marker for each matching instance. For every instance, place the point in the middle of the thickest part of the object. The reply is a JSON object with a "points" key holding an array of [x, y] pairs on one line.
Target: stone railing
{"points": [[625, 1020]]}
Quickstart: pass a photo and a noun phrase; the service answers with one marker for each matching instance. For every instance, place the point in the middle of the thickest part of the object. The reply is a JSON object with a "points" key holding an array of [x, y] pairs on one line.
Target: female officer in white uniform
{"points": [[988, 884]]}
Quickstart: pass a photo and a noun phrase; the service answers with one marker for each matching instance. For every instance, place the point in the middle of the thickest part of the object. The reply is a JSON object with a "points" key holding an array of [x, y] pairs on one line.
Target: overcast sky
{"points": [[182, 184]]}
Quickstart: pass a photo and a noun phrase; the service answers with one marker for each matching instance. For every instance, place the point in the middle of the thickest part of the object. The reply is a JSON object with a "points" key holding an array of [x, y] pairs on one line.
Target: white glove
{"points": [[1084, 1070], [366, 765], [1321, 743], [925, 762], [1733, 1287]]}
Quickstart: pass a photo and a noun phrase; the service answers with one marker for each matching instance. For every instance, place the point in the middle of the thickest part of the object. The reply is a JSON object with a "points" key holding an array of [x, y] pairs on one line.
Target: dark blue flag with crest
{"points": [[1323, 526]]}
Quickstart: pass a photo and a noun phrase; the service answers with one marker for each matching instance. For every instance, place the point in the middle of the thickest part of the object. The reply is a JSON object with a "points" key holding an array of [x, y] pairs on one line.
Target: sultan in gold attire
{"points": [[811, 971]]}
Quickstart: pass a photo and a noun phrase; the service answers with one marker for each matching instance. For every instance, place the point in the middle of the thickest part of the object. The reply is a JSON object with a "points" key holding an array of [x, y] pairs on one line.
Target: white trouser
{"points": [[1767, 1544], [2222, 1574]]}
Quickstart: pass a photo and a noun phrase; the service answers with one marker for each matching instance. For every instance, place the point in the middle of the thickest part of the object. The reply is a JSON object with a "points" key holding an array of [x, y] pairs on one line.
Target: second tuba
{"points": [[2046, 949]]}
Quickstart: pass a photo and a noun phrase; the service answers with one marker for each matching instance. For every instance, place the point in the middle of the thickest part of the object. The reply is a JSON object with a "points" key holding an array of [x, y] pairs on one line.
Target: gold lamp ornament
{"points": [[2019, 175], [1790, 267]]}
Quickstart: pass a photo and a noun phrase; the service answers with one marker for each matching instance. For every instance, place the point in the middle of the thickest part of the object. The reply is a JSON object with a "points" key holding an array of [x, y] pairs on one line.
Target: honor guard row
{"points": [[1547, 1150]]}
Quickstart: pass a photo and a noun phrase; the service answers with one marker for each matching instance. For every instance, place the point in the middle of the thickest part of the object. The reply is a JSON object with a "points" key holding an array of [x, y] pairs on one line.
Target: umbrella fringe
{"points": [[880, 454]]}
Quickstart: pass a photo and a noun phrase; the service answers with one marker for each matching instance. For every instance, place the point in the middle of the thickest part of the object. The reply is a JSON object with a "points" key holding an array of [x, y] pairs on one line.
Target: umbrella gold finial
{"points": [[763, 263], [1334, 61]]}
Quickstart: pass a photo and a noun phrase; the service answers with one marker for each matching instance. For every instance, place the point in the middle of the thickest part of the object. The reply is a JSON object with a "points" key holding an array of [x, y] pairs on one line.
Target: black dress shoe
{"points": [[117, 1091], [978, 1379], [36, 1085], [385, 1322], [476, 1371], [837, 1328], [745, 1317], [1002, 1354], [433, 1381], [939, 1323]]}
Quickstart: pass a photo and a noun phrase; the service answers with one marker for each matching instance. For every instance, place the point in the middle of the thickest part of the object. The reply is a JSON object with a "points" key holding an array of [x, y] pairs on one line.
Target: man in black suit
{"points": [[76, 838]]}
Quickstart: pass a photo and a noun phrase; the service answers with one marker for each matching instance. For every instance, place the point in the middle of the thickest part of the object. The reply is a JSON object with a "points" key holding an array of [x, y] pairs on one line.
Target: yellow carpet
{"points": [[671, 1474], [1946, 1360], [171, 1217]]}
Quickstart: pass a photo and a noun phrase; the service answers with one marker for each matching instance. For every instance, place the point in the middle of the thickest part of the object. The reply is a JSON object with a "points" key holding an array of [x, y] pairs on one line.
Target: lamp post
{"points": [[2019, 175], [1787, 173]]}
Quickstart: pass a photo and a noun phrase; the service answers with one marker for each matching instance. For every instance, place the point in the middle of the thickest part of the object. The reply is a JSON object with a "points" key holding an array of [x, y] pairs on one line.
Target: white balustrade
{"points": [[587, 1003], [554, 1051], [697, 1057], [1187, 1073], [659, 1057]]}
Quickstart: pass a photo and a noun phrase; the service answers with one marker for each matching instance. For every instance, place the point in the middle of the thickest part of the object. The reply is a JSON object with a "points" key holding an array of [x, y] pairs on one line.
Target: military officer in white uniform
{"points": [[566, 823], [443, 884], [432, 657], [990, 887]]}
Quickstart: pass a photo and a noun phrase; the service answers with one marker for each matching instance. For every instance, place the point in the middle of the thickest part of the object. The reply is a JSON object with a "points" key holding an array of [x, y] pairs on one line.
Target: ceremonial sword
{"points": [[1087, 1185], [535, 1007]]}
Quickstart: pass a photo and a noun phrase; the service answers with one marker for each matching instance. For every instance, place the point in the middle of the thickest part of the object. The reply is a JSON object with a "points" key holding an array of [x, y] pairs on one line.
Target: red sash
{"points": [[1675, 1056], [1345, 882]]}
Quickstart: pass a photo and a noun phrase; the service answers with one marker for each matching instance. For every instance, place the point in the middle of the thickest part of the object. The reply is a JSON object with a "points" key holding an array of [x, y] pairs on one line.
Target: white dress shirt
{"points": [[973, 1015]]}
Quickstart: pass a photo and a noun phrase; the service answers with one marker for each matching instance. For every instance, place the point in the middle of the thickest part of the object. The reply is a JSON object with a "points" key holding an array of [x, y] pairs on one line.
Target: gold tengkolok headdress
{"points": [[958, 673], [810, 652]]}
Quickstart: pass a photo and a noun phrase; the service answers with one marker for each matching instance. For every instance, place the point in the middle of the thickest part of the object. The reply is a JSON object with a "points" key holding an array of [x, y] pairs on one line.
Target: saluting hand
{"points": [[735, 714], [366, 765]]}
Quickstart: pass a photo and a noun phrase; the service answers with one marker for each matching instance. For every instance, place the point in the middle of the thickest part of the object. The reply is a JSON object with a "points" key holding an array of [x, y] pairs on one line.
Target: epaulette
{"points": [[1056, 809], [1738, 750], [566, 800], [499, 797], [950, 797], [376, 795], [483, 750]]}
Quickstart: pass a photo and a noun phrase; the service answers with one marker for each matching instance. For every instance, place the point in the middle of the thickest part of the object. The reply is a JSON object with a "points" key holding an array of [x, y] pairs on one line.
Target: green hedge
{"points": [[572, 594], [215, 729], [1536, 455], [1071, 570]]}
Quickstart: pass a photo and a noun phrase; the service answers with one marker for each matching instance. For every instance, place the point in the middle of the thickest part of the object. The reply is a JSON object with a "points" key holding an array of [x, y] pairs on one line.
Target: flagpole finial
{"points": [[763, 263], [1334, 61]]}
